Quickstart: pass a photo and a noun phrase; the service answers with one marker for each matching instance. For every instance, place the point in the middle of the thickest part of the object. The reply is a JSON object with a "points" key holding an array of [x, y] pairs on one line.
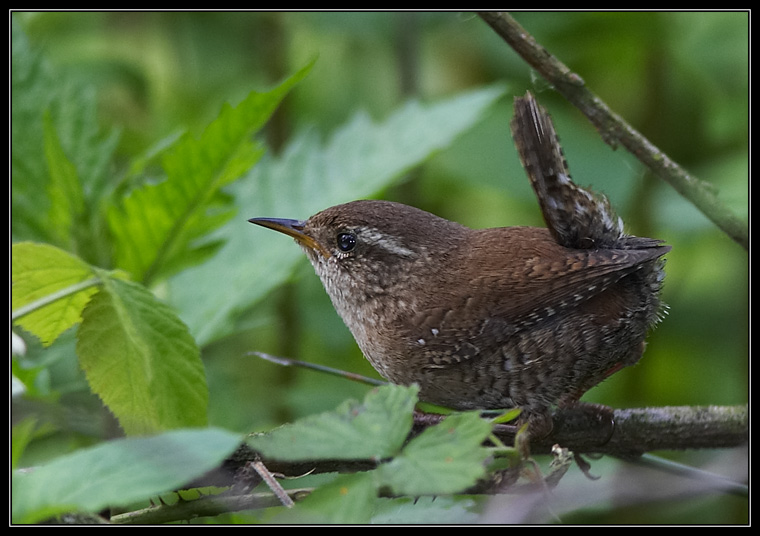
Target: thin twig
{"points": [[613, 129], [271, 481], [717, 482], [206, 506], [287, 362]]}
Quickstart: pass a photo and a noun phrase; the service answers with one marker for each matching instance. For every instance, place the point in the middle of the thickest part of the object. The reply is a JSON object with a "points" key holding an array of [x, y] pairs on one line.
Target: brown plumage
{"points": [[491, 318]]}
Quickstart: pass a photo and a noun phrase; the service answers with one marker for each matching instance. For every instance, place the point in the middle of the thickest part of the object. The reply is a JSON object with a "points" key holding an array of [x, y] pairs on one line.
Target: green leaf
{"points": [[32, 91], [65, 190], [358, 161], [441, 510], [21, 435], [117, 473], [508, 416], [140, 359], [349, 499], [445, 458], [373, 429], [54, 115], [159, 227], [52, 285]]}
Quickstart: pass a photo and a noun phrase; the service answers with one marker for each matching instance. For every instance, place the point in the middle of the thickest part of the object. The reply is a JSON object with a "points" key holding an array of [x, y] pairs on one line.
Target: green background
{"points": [[679, 78]]}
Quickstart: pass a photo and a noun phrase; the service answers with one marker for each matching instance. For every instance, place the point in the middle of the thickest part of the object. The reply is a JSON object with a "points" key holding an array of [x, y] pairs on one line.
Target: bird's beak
{"points": [[294, 228]]}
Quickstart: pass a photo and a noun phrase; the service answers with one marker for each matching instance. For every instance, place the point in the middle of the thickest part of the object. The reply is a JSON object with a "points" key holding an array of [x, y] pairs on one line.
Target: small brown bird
{"points": [[491, 318]]}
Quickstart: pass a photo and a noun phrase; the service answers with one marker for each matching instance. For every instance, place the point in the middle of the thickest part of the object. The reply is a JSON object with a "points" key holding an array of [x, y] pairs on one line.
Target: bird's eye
{"points": [[346, 241]]}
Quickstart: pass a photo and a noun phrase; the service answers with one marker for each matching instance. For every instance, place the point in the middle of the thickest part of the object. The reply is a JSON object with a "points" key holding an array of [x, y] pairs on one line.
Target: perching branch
{"points": [[640, 430], [631, 432], [576, 430], [585, 429], [614, 129]]}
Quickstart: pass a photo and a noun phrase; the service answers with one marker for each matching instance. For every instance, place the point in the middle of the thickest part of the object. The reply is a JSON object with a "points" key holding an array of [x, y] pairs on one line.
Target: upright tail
{"points": [[577, 218]]}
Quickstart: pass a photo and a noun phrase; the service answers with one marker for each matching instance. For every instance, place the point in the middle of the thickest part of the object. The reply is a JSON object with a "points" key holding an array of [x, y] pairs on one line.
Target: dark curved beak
{"points": [[293, 228]]}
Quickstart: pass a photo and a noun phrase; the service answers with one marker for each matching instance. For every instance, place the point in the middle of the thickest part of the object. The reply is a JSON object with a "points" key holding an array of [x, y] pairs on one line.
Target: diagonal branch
{"points": [[614, 129]]}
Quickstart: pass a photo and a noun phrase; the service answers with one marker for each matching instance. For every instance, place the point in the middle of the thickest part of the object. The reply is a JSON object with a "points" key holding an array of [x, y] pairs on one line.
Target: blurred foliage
{"points": [[679, 78]]}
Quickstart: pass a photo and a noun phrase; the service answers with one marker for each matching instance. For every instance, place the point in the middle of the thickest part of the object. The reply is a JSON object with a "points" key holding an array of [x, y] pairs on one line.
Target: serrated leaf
{"points": [[441, 510], [373, 429], [118, 473], [359, 160], [46, 101], [140, 359], [40, 271], [445, 458], [349, 499], [157, 226]]}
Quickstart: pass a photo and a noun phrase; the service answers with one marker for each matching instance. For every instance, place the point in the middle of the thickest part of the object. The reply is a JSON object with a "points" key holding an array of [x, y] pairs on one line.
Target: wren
{"points": [[492, 318]]}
